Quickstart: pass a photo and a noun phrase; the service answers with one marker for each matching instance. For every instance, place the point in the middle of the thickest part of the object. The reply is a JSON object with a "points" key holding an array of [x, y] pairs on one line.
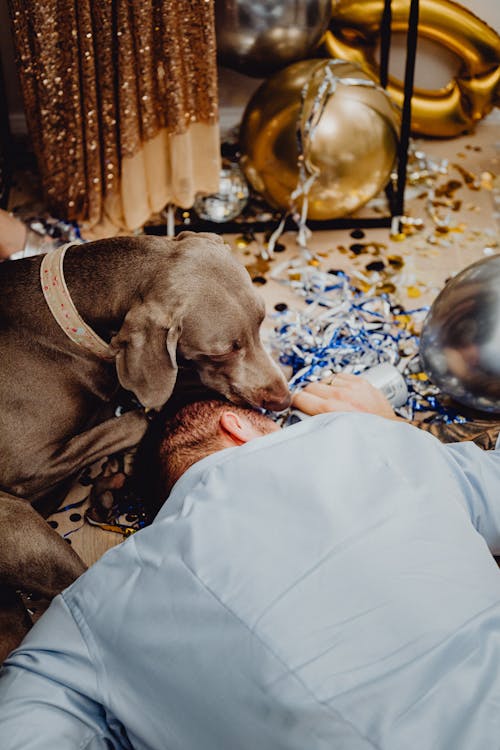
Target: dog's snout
{"points": [[276, 399], [275, 405]]}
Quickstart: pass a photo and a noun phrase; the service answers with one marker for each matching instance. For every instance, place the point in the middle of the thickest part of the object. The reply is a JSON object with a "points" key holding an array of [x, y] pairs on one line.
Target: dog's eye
{"points": [[236, 346], [214, 358]]}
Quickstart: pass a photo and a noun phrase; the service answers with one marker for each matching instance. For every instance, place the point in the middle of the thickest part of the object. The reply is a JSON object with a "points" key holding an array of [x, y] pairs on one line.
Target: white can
{"points": [[389, 380]]}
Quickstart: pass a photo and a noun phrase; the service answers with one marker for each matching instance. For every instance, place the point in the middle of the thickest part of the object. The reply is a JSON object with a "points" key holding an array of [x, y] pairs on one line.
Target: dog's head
{"points": [[200, 307]]}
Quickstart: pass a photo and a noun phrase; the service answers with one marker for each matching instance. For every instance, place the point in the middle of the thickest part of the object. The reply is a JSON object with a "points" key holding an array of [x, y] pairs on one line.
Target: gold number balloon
{"points": [[320, 135], [354, 35]]}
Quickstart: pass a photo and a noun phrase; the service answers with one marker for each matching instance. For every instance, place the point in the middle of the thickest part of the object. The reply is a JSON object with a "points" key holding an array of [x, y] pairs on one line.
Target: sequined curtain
{"points": [[121, 103]]}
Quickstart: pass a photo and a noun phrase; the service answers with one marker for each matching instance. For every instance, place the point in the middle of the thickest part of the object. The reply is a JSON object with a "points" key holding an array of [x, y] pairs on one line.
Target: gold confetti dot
{"points": [[386, 288], [242, 241], [396, 261], [403, 319], [413, 291], [420, 376], [487, 180], [364, 287]]}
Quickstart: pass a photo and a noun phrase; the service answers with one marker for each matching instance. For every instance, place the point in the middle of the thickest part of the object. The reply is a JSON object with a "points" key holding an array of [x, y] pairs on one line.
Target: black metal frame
{"points": [[5, 145], [396, 198], [395, 195]]}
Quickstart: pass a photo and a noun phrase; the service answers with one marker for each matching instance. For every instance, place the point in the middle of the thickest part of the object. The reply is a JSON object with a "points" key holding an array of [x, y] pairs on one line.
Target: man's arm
{"points": [[481, 472], [49, 694], [480, 469]]}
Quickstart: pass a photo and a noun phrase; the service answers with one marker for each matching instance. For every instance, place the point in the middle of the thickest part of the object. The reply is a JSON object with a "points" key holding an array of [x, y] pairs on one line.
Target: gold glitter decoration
{"points": [[259, 267], [99, 80], [403, 320], [448, 188], [396, 261], [413, 291], [363, 286], [419, 376], [469, 178], [241, 241], [386, 288], [487, 179], [407, 323]]}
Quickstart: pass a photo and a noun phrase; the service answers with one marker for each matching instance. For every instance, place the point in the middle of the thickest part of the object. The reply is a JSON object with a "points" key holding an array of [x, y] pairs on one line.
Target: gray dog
{"points": [[76, 325]]}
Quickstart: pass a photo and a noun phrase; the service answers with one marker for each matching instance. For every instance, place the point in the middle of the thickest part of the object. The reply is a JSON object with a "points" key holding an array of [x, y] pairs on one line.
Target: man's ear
{"points": [[237, 428]]}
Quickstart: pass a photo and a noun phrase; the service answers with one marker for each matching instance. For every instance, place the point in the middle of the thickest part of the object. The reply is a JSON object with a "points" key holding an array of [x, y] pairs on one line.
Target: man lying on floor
{"points": [[328, 585]]}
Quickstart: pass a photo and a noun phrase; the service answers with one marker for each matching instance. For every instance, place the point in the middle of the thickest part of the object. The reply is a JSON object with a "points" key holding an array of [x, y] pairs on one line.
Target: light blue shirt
{"points": [[329, 586]]}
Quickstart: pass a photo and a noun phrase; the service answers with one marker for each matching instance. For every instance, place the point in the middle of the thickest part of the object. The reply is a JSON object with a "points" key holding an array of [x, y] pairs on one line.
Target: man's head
{"points": [[202, 428]]}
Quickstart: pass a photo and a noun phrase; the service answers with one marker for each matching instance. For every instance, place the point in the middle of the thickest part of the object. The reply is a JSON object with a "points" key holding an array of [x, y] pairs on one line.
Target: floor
{"points": [[460, 225]]}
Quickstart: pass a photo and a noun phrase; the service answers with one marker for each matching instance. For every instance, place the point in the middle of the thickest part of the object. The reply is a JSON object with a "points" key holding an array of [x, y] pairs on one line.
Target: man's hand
{"points": [[12, 235], [346, 393]]}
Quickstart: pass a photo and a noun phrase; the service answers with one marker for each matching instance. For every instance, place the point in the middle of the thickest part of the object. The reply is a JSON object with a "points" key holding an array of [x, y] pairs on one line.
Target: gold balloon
{"points": [[321, 131], [354, 35]]}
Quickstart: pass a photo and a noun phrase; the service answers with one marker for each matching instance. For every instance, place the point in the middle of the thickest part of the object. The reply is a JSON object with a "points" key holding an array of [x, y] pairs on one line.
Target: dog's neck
{"points": [[105, 277], [62, 307]]}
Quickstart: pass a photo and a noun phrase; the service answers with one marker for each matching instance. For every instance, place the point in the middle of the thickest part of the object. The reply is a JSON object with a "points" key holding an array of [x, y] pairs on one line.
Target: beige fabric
{"points": [[121, 104], [167, 169]]}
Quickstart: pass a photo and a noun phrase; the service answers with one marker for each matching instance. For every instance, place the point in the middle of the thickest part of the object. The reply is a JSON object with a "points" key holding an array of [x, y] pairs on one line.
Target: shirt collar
{"points": [[173, 505], [174, 502]]}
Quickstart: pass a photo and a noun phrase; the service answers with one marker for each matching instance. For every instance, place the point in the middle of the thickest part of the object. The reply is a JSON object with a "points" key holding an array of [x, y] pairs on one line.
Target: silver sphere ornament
{"points": [[230, 199], [460, 340], [259, 37]]}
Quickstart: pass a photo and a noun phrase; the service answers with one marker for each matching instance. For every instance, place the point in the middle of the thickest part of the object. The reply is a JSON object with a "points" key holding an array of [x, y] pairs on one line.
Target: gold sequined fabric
{"points": [[100, 80]]}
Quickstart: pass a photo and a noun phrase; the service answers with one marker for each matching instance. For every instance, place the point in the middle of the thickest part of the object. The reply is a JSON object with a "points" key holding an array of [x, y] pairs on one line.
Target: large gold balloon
{"points": [[354, 35], [321, 131]]}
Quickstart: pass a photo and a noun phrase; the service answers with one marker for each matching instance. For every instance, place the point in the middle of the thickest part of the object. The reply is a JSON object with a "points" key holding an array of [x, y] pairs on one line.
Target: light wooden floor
{"points": [[427, 262]]}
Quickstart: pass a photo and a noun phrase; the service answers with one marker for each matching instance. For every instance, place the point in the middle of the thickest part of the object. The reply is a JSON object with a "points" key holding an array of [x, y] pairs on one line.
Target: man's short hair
{"points": [[193, 433]]}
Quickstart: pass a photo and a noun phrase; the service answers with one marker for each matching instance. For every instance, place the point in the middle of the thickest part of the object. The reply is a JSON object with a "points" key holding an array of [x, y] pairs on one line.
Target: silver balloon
{"points": [[259, 37], [460, 341]]}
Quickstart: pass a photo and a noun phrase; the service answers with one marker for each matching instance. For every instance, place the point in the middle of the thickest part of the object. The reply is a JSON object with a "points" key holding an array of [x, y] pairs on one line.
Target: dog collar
{"points": [[61, 305]]}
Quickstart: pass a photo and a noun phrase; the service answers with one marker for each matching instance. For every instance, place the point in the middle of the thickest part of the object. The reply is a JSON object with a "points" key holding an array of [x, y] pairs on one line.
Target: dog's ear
{"points": [[145, 348]]}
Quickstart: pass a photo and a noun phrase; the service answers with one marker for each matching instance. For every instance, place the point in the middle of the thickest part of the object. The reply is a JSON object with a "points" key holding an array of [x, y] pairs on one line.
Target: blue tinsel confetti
{"points": [[343, 329]]}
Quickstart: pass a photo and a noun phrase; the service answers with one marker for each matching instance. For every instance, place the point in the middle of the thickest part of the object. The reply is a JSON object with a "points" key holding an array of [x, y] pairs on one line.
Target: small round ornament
{"points": [[228, 202]]}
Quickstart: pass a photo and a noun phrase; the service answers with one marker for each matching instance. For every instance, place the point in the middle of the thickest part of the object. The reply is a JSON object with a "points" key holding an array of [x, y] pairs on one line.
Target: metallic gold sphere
{"points": [[330, 120], [460, 341]]}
